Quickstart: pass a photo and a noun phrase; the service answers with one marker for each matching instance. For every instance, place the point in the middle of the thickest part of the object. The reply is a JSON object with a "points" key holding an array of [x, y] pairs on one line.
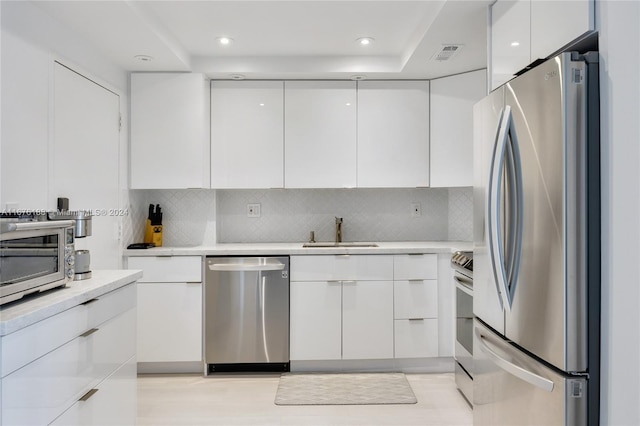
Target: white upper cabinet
{"points": [[393, 134], [510, 39], [247, 135], [523, 31], [452, 100], [320, 134], [169, 130], [556, 23]]}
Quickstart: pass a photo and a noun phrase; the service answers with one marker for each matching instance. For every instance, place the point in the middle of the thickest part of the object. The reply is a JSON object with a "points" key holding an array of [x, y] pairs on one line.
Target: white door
{"points": [[86, 139]]}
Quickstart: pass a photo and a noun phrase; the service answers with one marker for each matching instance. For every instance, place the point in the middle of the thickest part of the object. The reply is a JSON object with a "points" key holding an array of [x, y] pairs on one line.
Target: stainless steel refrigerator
{"points": [[537, 247]]}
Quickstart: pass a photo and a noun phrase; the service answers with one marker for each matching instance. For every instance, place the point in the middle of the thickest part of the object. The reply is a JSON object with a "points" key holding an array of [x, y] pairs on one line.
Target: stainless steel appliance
{"points": [[83, 228], [34, 256], [246, 314], [462, 264], [537, 248]]}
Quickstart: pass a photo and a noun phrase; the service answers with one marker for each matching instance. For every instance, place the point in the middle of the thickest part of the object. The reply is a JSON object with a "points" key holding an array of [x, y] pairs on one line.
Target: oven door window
{"points": [[23, 259]]}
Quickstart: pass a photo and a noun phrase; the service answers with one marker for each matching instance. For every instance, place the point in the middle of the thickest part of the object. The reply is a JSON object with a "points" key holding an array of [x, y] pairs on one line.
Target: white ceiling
{"points": [[283, 39]]}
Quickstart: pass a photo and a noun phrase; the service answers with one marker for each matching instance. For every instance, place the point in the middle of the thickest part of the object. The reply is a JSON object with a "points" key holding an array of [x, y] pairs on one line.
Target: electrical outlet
{"points": [[416, 210], [253, 210]]}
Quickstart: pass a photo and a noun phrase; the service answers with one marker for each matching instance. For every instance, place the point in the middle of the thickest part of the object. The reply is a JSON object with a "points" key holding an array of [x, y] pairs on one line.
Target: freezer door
{"points": [[511, 388], [246, 310], [548, 311], [487, 115]]}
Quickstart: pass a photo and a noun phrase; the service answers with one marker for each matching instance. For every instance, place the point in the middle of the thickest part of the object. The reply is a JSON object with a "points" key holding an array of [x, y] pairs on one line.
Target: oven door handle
{"points": [[26, 226], [464, 287]]}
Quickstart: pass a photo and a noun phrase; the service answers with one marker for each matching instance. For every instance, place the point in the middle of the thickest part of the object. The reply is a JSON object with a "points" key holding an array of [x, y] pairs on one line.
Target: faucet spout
{"points": [[338, 230]]}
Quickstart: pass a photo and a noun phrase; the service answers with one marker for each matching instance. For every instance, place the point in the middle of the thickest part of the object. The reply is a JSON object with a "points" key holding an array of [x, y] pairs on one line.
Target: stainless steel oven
{"points": [[462, 264], [34, 256]]}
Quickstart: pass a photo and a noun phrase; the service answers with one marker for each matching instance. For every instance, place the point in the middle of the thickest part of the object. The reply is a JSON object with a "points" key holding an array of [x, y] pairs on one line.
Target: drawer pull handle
{"points": [[416, 319], [88, 395], [89, 332], [95, 299]]}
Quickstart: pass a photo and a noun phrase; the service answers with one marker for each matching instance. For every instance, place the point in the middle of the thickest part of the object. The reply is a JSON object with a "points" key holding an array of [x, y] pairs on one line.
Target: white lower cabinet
{"points": [[169, 308], [169, 322], [415, 295], [364, 307], [367, 319], [315, 320], [44, 387], [341, 307], [416, 338]]}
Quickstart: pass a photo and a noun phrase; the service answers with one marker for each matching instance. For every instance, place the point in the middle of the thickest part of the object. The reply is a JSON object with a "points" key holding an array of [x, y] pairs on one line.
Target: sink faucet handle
{"points": [[312, 237]]}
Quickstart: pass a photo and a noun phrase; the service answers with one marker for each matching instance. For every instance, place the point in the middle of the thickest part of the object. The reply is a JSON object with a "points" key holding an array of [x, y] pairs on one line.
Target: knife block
{"points": [[153, 234]]}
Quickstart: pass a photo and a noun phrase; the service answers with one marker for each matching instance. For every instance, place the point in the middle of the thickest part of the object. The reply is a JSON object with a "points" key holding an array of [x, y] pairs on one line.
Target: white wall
{"points": [[617, 22]]}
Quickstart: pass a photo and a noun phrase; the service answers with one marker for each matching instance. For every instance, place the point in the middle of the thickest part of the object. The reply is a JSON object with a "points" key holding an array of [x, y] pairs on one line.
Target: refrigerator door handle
{"points": [[511, 368], [515, 203], [496, 254]]}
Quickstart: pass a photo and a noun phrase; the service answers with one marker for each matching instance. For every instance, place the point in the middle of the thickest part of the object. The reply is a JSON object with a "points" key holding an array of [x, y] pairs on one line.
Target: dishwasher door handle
{"points": [[240, 267]]}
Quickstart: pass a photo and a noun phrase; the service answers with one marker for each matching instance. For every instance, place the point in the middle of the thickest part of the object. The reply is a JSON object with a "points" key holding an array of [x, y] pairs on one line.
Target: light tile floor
{"points": [[248, 400]]}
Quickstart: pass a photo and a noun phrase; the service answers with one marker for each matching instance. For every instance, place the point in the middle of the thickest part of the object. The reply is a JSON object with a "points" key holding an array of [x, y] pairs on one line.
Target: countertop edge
{"points": [[296, 249], [23, 313]]}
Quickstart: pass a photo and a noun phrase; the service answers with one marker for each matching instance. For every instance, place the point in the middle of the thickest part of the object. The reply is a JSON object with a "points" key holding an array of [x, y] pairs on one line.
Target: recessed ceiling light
{"points": [[225, 40], [144, 58], [358, 77], [365, 41], [261, 104], [515, 44], [237, 76]]}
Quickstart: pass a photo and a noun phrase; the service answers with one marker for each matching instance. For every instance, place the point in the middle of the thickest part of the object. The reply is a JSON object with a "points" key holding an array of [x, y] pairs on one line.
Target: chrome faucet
{"points": [[338, 230]]}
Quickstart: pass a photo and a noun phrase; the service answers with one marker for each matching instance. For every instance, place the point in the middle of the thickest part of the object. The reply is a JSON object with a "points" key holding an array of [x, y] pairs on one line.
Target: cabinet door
{"points": [[86, 139], [169, 322], [557, 23], [320, 134], [367, 319], [316, 320], [393, 133], [510, 39], [452, 100], [169, 131], [247, 135]]}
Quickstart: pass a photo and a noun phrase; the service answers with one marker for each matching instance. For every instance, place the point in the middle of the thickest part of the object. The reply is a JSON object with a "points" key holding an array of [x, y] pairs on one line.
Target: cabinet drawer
{"points": [[168, 268], [113, 402], [416, 339], [415, 299], [415, 267], [341, 267], [30, 343], [40, 391]]}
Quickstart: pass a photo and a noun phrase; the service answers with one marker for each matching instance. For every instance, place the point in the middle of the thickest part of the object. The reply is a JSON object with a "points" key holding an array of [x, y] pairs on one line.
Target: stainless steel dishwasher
{"points": [[246, 314]]}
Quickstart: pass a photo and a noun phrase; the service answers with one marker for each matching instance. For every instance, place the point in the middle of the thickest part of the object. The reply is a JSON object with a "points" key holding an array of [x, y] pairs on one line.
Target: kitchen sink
{"points": [[346, 245]]}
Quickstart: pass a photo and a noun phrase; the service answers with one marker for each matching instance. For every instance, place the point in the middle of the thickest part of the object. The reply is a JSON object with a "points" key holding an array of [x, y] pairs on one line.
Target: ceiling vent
{"points": [[447, 52]]}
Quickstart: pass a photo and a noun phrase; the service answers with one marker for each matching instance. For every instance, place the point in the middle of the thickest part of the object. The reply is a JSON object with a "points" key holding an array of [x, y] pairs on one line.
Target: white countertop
{"points": [[22, 313], [297, 249]]}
